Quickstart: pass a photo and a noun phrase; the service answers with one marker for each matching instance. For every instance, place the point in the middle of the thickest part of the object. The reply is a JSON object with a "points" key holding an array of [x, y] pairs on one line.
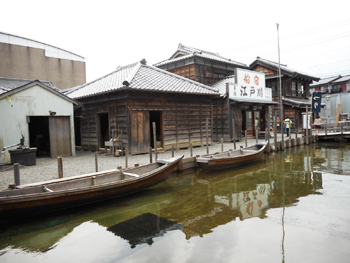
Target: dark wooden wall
{"points": [[221, 117], [183, 119]]}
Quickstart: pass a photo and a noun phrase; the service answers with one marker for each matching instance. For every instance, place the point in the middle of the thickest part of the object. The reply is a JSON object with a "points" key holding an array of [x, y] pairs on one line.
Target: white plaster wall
{"points": [[34, 101]]}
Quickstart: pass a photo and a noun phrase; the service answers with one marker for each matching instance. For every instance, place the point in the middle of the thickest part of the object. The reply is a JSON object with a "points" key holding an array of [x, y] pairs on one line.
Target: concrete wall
{"points": [[24, 62], [34, 101]]}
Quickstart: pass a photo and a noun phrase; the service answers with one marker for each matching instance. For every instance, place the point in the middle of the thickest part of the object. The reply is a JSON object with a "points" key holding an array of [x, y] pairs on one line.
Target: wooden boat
{"points": [[231, 158], [41, 197]]}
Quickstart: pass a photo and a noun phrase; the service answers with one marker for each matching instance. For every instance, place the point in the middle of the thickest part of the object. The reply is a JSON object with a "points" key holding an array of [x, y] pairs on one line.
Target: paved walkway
{"points": [[84, 162]]}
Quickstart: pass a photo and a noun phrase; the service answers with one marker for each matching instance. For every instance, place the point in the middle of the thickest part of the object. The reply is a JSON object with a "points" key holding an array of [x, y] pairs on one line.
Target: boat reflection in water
{"points": [[193, 210]]}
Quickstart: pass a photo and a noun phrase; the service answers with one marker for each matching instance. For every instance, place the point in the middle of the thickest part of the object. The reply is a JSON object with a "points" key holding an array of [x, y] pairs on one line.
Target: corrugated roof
{"points": [[139, 76], [11, 83], [195, 52], [285, 70]]}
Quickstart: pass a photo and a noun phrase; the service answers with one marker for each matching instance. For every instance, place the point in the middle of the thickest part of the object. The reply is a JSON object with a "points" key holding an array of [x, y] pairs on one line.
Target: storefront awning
{"points": [[265, 102]]}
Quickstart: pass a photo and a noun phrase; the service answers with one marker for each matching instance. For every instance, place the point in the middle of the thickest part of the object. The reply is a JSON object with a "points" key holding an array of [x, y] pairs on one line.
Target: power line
{"points": [[294, 36]]}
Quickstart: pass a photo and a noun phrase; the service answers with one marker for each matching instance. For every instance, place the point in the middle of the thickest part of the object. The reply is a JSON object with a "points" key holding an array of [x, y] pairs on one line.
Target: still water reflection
{"points": [[292, 206]]}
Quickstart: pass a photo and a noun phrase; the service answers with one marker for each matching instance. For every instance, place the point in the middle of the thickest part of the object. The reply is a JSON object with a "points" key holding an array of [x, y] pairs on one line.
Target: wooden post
{"points": [[96, 162], [296, 125], [275, 132], [155, 141], [337, 116], [311, 114], [234, 133], [290, 131], [206, 129], [150, 154], [307, 125], [60, 167], [17, 176], [268, 129], [257, 136], [325, 129], [222, 144], [341, 132], [246, 138], [126, 157], [172, 151], [191, 149]]}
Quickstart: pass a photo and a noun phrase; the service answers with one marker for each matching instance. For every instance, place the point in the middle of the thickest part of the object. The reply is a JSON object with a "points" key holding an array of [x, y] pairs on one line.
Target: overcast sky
{"points": [[314, 35]]}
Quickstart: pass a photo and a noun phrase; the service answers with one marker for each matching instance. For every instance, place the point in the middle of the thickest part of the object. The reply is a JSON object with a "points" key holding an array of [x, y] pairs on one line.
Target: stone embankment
{"points": [[84, 162]]}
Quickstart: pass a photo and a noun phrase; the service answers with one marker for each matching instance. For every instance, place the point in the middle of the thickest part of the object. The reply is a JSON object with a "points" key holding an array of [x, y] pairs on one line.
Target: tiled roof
{"points": [[195, 52], [324, 81], [298, 101], [139, 76], [3, 90], [342, 79], [284, 69], [221, 84], [10, 83]]}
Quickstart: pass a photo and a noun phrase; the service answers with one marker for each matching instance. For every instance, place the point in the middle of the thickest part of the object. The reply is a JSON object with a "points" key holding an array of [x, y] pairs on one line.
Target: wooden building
{"points": [[199, 65], [125, 103], [243, 105], [295, 88]]}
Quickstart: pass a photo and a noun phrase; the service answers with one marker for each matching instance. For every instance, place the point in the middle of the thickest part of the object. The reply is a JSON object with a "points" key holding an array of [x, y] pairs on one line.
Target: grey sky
{"points": [[314, 35]]}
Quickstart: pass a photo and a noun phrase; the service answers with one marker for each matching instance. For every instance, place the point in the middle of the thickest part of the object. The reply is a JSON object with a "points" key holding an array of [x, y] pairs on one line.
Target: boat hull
{"points": [[211, 162], [31, 204]]}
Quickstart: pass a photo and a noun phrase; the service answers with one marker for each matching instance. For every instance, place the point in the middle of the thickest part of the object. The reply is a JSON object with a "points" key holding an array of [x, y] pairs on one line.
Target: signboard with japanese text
{"points": [[249, 85], [316, 101]]}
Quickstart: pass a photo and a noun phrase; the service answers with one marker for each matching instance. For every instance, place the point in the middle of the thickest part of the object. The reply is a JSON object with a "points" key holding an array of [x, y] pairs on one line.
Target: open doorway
{"points": [[156, 116], [39, 134], [77, 131], [103, 129]]}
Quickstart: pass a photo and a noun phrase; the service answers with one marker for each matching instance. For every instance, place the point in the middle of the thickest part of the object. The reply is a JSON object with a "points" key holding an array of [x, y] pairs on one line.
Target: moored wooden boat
{"points": [[232, 158], [41, 197]]}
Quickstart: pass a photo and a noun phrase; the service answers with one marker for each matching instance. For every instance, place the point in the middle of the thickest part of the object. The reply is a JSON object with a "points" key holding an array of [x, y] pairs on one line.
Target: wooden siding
{"points": [[202, 73], [183, 119], [60, 136], [268, 72]]}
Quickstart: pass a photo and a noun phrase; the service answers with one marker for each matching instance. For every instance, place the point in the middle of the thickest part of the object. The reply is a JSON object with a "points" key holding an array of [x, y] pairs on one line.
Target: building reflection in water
{"points": [[143, 228]]}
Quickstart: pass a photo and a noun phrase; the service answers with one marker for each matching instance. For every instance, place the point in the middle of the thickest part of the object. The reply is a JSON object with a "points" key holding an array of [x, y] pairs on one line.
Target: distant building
{"points": [[23, 58], [295, 88], [336, 97]]}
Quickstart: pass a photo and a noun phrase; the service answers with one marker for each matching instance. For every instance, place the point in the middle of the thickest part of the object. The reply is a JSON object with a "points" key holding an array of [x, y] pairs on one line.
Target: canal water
{"points": [[292, 206]]}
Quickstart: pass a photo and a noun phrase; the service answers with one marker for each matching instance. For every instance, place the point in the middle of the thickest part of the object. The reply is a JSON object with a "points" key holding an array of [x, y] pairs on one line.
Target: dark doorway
{"points": [[156, 116], [39, 134], [104, 129], [77, 131]]}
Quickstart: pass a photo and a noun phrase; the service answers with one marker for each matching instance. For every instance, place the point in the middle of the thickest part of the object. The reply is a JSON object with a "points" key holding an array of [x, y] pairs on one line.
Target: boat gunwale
{"points": [[210, 158], [86, 189]]}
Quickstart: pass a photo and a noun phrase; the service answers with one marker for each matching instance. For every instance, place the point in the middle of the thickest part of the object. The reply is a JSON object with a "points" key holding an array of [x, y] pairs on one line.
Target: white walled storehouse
{"points": [[42, 114]]}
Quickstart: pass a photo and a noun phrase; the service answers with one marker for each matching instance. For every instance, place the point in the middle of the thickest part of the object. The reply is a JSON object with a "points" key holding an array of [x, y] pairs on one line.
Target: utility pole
{"points": [[280, 88]]}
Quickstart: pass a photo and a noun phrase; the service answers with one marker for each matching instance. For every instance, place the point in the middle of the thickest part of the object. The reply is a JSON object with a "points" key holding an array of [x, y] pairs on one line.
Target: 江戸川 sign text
{"points": [[249, 92], [250, 86]]}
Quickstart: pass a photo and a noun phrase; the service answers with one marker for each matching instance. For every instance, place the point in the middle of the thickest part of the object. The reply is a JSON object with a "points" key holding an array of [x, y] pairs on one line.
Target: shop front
{"points": [[249, 101]]}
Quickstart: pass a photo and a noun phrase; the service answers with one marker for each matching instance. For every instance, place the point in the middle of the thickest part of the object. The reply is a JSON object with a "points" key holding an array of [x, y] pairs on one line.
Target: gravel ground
{"points": [[84, 162]]}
